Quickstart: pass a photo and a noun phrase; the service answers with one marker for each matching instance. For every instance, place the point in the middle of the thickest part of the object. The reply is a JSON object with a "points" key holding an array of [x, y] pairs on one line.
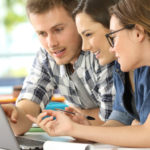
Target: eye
{"points": [[59, 29], [42, 34], [88, 34]]}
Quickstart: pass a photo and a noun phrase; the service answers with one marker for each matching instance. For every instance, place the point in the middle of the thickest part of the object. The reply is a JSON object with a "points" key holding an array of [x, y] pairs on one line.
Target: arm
{"points": [[112, 123], [17, 115], [127, 136]]}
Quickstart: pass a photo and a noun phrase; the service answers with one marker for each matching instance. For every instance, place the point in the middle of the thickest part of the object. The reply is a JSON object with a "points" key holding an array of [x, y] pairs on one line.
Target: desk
{"points": [[45, 137]]}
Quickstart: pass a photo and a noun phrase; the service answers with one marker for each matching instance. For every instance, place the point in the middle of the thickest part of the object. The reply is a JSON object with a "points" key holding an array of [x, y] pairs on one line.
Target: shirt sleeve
{"points": [[119, 113], [38, 85], [106, 91]]}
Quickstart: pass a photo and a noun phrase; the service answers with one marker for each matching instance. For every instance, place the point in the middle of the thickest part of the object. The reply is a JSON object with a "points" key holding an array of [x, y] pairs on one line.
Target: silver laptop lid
{"points": [[7, 139]]}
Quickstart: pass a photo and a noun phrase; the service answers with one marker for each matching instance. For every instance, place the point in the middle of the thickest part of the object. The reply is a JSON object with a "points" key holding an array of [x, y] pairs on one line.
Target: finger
{"points": [[49, 112], [70, 109], [50, 127], [11, 112], [31, 118], [41, 116], [53, 113], [14, 115], [77, 113]]}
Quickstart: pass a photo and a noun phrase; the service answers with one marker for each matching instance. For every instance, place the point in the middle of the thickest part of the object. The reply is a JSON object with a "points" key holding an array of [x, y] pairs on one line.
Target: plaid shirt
{"points": [[46, 75]]}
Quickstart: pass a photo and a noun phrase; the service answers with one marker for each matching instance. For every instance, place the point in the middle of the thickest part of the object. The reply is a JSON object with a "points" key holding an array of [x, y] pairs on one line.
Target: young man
{"points": [[61, 64]]}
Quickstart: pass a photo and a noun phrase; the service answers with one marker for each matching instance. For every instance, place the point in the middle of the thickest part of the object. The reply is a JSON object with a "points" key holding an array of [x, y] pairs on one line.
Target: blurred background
{"points": [[18, 44]]}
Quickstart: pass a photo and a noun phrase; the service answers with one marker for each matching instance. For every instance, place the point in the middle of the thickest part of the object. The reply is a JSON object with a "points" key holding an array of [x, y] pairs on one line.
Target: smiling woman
{"points": [[92, 24]]}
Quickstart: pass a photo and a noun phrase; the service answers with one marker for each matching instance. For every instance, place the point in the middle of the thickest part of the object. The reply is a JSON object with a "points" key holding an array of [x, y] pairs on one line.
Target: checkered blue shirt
{"points": [[46, 75]]}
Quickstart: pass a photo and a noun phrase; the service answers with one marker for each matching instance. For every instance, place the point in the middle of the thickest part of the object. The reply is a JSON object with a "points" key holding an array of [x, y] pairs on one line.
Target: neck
{"points": [[69, 68], [146, 53], [131, 78]]}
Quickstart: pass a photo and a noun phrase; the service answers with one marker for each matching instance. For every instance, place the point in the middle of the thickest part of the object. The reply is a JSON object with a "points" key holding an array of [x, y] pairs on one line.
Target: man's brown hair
{"points": [[42, 6]]}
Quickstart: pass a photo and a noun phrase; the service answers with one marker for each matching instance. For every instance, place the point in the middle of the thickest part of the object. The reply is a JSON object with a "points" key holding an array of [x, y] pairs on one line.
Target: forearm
{"points": [[126, 136], [23, 123], [112, 123]]}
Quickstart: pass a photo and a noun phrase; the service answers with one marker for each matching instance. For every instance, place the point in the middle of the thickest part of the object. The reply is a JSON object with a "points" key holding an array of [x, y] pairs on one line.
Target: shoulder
{"points": [[142, 71], [142, 74]]}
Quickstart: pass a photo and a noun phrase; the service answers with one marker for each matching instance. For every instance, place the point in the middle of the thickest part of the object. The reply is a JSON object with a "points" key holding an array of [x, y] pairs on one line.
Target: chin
{"points": [[125, 69], [102, 62], [61, 62]]}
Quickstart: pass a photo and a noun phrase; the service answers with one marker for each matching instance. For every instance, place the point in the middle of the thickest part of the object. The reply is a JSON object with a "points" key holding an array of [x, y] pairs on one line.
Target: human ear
{"points": [[139, 33]]}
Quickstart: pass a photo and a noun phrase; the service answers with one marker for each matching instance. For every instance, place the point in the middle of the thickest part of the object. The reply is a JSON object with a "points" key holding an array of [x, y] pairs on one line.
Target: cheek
{"points": [[94, 42], [68, 38], [91, 43], [43, 41], [119, 45], [123, 47], [71, 34]]}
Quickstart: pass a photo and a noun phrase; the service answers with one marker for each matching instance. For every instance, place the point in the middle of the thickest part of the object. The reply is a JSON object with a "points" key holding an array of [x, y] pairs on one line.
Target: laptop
{"points": [[10, 142]]}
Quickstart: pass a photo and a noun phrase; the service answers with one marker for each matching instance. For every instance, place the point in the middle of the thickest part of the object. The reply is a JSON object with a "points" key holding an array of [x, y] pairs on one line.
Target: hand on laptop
{"points": [[11, 112], [61, 126]]}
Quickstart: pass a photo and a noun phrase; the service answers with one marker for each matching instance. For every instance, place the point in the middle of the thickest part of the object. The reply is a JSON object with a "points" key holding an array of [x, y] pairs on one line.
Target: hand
{"points": [[11, 112], [79, 117], [135, 122], [62, 125]]}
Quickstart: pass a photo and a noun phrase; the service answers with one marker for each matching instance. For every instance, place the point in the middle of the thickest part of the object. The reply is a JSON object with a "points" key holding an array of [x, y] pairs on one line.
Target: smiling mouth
{"points": [[59, 53], [97, 53]]}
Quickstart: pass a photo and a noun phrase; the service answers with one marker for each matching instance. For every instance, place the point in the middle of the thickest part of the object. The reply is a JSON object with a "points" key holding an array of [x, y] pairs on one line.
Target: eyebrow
{"points": [[84, 31], [53, 27], [57, 25]]}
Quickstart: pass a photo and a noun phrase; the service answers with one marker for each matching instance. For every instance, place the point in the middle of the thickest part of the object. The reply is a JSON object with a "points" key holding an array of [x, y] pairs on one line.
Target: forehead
{"points": [[83, 21], [57, 15], [114, 23]]}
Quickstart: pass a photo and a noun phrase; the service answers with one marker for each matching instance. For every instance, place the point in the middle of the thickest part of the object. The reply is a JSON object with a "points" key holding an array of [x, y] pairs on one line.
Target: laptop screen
{"points": [[7, 138], [10, 142]]}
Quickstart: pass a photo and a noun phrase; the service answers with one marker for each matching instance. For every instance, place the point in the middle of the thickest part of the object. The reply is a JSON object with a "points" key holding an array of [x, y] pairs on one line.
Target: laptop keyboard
{"points": [[29, 144]]}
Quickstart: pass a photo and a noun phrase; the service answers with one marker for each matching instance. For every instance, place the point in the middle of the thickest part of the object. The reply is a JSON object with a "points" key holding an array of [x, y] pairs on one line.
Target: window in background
{"points": [[18, 44]]}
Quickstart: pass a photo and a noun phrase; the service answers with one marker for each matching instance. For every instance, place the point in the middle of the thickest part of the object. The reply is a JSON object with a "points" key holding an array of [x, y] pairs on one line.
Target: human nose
{"points": [[112, 49], [52, 41], [85, 45]]}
